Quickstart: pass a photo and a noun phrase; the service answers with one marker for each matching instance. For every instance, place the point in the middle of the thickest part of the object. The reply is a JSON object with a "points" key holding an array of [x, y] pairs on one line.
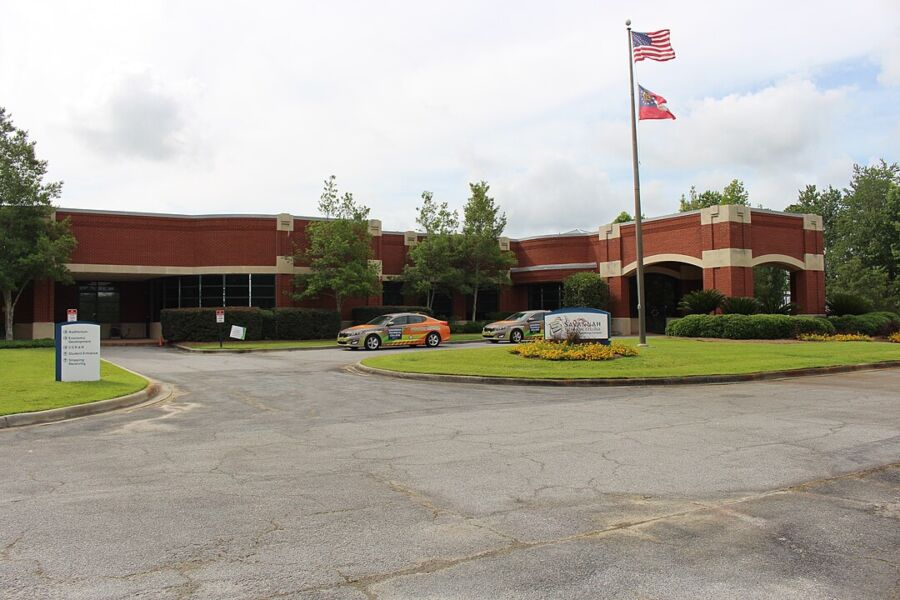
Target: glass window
{"points": [[402, 320], [190, 291], [392, 293], [237, 290], [416, 319], [98, 301], [212, 290], [262, 288]]}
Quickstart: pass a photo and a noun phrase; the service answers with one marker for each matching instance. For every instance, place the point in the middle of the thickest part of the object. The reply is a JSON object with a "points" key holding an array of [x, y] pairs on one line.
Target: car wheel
{"points": [[433, 340], [373, 342], [515, 336]]}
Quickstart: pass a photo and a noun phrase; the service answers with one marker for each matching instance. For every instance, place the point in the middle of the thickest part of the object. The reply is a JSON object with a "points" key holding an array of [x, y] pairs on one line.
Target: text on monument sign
{"points": [[586, 324], [77, 352]]}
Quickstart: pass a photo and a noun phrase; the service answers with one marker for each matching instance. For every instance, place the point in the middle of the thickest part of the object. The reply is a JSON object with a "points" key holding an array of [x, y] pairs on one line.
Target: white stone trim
{"points": [[147, 271], [284, 222], [723, 213], [813, 222], [610, 231], [284, 264], [504, 244], [555, 267], [727, 257], [612, 268], [623, 325], [375, 227], [778, 258], [814, 262], [410, 238], [659, 258]]}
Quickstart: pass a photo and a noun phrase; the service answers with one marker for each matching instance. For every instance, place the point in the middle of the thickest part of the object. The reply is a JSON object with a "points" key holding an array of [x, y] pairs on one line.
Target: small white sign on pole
{"points": [[238, 333], [220, 315], [77, 352], [72, 315]]}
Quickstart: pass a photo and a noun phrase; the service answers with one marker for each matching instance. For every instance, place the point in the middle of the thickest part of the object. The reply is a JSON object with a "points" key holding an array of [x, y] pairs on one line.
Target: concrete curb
{"points": [[153, 393], [613, 382], [248, 351]]}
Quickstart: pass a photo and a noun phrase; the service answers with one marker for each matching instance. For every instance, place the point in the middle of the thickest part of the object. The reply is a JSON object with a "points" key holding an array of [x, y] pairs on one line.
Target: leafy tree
{"points": [[734, 193], [862, 233], [586, 289], [339, 250], [701, 302], [485, 265], [434, 260], [624, 217], [33, 244], [770, 286]]}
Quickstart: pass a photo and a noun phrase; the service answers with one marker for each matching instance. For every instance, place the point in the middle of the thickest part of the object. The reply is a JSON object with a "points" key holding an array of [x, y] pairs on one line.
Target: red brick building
{"points": [[129, 266]]}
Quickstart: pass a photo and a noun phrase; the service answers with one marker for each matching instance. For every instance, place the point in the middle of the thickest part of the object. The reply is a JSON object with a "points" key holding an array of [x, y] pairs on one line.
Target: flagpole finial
{"points": [[627, 22]]}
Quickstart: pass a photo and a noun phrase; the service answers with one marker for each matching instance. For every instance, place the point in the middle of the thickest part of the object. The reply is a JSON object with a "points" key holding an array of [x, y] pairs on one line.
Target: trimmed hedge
{"points": [[468, 326], [40, 343], [199, 324], [304, 324], [364, 314], [873, 323], [747, 327]]}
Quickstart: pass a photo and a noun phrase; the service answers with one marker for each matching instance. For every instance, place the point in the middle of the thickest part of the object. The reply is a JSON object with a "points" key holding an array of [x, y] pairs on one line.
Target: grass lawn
{"points": [[27, 383], [290, 344], [664, 357]]}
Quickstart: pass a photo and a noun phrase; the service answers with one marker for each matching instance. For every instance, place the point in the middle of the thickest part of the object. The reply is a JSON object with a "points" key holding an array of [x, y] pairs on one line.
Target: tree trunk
{"points": [[474, 303], [8, 307], [429, 299]]}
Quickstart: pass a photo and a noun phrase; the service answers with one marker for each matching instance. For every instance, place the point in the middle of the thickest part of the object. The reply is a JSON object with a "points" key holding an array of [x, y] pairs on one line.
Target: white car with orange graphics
{"points": [[516, 328], [396, 329]]}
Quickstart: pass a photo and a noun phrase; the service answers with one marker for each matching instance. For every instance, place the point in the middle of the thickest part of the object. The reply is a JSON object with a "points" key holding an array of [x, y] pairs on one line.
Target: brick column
{"points": [[42, 307], [808, 291], [731, 281]]}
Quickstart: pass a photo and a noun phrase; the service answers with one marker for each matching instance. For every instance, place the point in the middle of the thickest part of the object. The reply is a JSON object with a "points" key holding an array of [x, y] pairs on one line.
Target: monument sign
{"points": [[587, 324], [77, 351]]}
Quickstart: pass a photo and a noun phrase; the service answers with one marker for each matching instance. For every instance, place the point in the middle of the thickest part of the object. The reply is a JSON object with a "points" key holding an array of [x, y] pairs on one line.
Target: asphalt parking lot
{"points": [[286, 475]]}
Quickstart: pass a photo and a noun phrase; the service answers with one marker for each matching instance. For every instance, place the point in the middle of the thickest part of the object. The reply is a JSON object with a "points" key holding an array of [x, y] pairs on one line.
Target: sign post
{"points": [[220, 319], [77, 351]]}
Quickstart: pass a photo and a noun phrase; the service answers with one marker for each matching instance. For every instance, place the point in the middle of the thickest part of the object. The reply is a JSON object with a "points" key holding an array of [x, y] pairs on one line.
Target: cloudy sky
{"points": [[245, 107]]}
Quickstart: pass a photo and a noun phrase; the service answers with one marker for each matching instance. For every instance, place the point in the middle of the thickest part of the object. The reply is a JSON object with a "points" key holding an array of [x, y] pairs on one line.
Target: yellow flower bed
{"points": [[840, 337], [563, 351], [894, 337]]}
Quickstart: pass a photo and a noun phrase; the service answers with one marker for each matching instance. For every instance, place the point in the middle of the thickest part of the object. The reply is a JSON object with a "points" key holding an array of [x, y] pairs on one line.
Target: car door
{"points": [[416, 330], [396, 329]]}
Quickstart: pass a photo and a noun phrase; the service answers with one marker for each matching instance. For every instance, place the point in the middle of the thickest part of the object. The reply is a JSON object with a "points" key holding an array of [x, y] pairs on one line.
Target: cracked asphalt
{"points": [[286, 475]]}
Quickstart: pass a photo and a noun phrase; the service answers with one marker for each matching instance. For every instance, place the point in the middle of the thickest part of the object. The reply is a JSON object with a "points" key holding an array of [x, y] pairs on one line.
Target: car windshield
{"points": [[382, 320], [516, 316]]}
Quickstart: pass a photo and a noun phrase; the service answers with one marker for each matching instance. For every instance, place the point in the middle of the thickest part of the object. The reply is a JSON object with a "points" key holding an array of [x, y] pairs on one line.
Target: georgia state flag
{"points": [[652, 106]]}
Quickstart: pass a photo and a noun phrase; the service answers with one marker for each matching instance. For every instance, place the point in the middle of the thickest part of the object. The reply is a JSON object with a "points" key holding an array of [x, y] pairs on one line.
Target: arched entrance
{"points": [[665, 283]]}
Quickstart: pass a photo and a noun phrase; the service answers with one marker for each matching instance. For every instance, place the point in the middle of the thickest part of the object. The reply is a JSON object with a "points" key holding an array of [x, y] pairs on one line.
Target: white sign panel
{"points": [[77, 352], [589, 324], [220, 315], [72, 315], [238, 333]]}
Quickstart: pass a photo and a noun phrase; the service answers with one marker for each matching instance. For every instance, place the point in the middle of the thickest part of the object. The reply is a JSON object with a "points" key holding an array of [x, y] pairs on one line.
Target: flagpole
{"points": [[638, 234]]}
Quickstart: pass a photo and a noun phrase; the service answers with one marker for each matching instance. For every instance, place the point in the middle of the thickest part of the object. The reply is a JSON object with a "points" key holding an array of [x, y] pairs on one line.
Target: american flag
{"points": [[654, 45]]}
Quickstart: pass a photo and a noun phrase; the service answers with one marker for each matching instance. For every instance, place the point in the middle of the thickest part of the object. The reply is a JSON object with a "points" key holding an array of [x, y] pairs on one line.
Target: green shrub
{"points": [[842, 303], [873, 323], [812, 326], [585, 289], [40, 343], [740, 305], [497, 315], [701, 302], [467, 326], [747, 327], [305, 324], [199, 324], [364, 314]]}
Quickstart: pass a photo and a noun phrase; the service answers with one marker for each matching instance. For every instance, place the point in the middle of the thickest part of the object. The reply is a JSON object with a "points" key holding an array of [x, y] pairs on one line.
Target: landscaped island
{"points": [[27, 383], [664, 357]]}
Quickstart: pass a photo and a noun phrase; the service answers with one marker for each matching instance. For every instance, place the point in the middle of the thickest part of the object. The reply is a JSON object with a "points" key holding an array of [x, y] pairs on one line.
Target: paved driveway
{"points": [[284, 475]]}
